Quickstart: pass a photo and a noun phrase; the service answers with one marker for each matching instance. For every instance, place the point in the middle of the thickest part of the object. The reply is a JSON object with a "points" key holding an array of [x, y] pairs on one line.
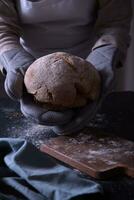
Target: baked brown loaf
{"points": [[62, 80]]}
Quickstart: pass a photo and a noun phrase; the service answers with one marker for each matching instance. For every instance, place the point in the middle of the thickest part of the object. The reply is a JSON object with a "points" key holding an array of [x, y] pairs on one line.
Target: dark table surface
{"points": [[116, 116]]}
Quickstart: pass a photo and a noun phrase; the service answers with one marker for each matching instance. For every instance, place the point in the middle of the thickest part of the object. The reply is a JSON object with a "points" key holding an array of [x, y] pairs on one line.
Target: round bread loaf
{"points": [[62, 80]]}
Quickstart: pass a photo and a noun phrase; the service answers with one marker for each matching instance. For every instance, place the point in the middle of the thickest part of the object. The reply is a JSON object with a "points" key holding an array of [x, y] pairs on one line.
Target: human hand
{"points": [[74, 120], [81, 118], [42, 115], [105, 60], [15, 63]]}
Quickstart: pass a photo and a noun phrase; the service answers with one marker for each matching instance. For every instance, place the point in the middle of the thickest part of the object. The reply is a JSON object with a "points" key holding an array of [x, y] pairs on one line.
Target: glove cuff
{"points": [[105, 59], [103, 55], [15, 59]]}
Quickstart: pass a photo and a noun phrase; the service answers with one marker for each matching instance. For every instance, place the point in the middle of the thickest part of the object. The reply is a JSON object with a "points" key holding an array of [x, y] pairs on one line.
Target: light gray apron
{"points": [[57, 25]]}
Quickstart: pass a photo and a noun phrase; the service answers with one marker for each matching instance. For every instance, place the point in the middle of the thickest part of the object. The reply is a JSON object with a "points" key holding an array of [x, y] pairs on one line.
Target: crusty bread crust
{"points": [[62, 80]]}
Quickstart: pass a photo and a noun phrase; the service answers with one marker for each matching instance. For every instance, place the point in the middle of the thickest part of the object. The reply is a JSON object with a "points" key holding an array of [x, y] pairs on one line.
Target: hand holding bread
{"points": [[62, 80]]}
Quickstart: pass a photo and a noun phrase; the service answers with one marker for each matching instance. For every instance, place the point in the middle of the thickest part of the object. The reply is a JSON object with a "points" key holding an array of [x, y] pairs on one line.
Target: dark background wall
{"points": [[126, 75], [129, 78], [2, 92]]}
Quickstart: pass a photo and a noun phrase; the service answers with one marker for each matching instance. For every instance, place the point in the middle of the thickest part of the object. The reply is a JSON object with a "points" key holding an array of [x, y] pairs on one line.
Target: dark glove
{"points": [[104, 59], [81, 118], [41, 115], [15, 63]]}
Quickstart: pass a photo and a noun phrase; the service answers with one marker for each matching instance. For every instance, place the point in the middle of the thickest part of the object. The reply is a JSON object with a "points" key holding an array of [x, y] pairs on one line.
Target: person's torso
{"points": [[57, 25]]}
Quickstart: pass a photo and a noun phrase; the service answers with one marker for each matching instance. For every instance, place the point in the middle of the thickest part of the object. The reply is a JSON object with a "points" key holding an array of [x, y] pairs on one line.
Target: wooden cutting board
{"points": [[96, 154]]}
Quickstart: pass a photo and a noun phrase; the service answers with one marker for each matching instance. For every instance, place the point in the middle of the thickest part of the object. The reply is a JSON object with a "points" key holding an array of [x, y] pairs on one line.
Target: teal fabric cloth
{"points": [[26, 173]]}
